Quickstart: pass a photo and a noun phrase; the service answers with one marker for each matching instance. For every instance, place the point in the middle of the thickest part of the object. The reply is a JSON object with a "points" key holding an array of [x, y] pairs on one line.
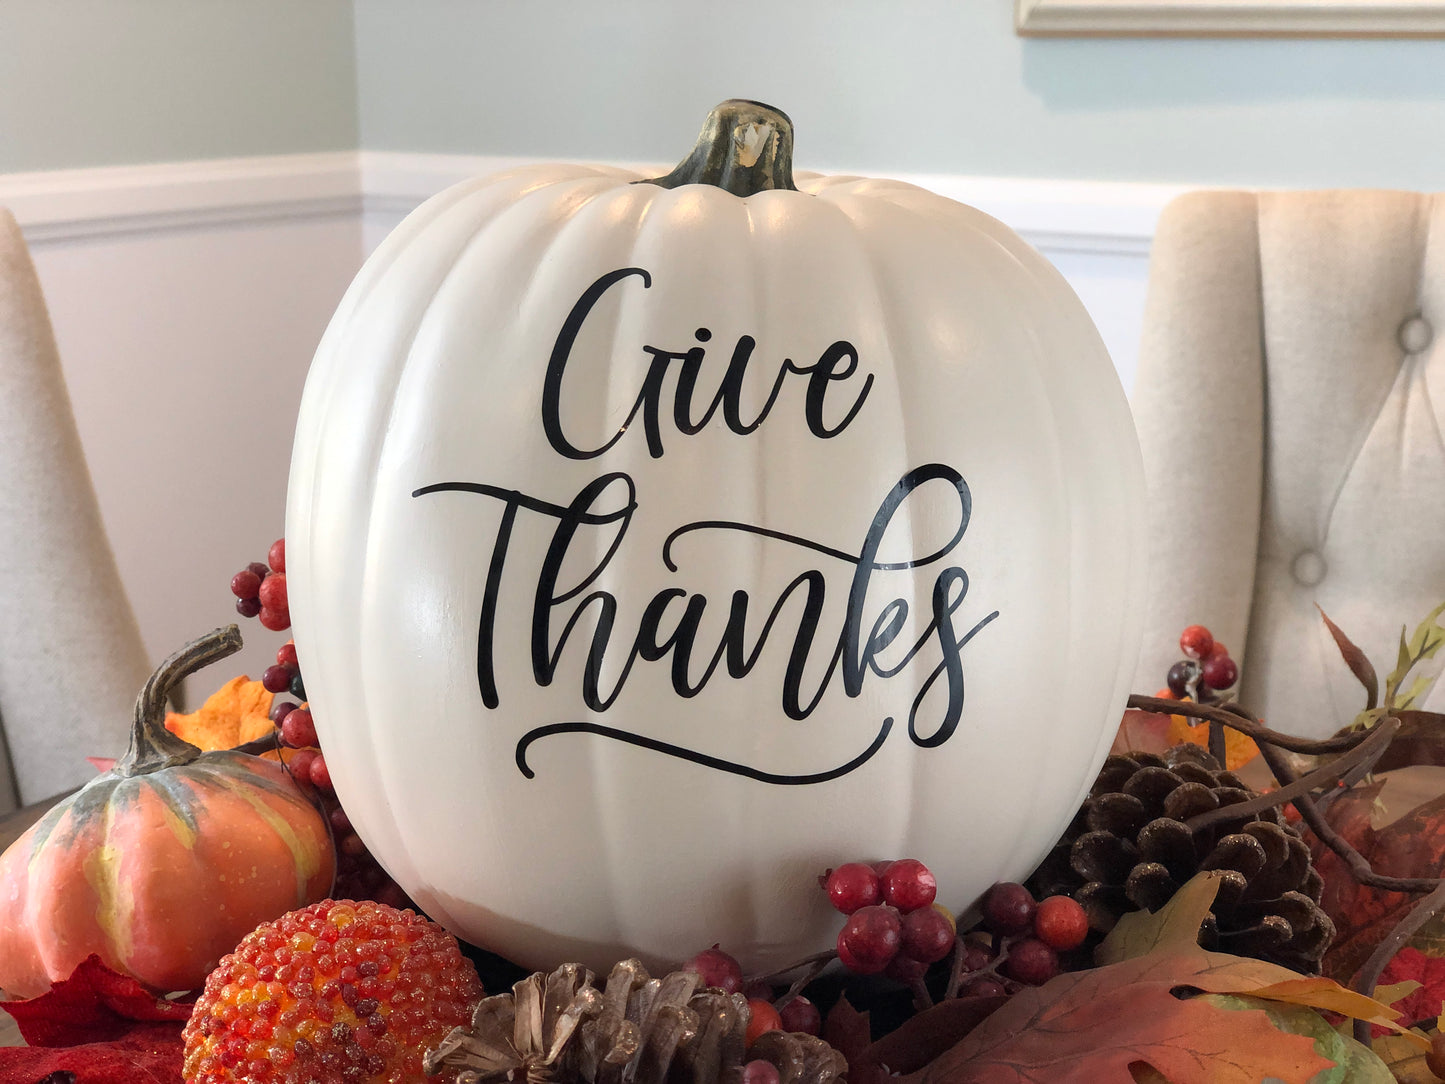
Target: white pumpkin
{"points": [[570, 440]]}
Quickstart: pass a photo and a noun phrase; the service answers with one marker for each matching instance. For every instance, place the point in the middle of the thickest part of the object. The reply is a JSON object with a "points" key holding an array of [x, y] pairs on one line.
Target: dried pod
{"points": [[1240, 852], [634, 1030], [799, 1058], [1103, 856], [1118, 813], [1152, 786], [1170, 844], [1268, 899], [1189, 799], [1150, 886]]}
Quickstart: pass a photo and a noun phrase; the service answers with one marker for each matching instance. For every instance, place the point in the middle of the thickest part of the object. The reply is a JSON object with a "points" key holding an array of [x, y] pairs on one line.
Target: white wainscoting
{"points": [[187, 300], [188, 297]]}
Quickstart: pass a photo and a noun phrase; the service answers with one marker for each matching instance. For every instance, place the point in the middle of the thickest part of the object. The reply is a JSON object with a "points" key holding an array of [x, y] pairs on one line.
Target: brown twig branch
{"points": [[265, 744], [1359, 751], [1231, 715], [1362, 755], [819, 960], [1360, 869]]}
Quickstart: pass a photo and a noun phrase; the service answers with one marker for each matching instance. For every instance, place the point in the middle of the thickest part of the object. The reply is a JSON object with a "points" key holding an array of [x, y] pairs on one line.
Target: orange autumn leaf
{"points": [[1125, 1017], [1239, 749], [237, 712]]}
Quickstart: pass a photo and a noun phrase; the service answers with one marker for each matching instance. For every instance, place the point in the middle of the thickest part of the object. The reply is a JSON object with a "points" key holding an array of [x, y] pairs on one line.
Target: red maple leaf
{"points": [[98, 1026]]}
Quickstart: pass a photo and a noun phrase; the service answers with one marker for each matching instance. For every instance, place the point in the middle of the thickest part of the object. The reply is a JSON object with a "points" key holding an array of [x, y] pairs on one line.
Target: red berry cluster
{"points": [[260, 590], [1021, 939], [1205, 671], [358, 874], [766, 1012], [894, 927]]}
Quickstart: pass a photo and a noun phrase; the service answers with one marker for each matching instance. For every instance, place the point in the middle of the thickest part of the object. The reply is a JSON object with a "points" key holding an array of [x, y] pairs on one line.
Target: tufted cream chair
{"points": [[71, 658], [1290, 401]]}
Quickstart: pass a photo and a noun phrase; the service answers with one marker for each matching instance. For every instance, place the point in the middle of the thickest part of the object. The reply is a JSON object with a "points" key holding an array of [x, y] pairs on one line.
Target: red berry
{"points": [[1060, 923], [846, 957], [975, 958], [1181, 675], [908, 885], [245, 584], [762, 1017], [280, 709], [759, 1071], [983, 988], [259, 569], [276, 621], [1220, 672], [1008, 908], [1195, 641], [1435, 1058], [905, 969], [320, 773], [300, 765], [1032, 962], [298, 730], [340, 822], [1218, 649], [276, 557], [927, 935], [717, 968], [871, 936], [276, 679], [800, 1014], [286, 656], [852, 886], [248, 607], [760, 990], [273, 592]]}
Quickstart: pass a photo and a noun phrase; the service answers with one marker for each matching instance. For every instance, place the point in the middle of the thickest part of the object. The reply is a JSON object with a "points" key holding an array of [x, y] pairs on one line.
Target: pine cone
{"points": [[636, 1030], [1128, 850]]}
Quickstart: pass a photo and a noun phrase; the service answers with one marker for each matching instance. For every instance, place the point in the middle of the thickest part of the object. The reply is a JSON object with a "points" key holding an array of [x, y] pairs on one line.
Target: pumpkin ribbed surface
{"points": [[668, 543], [159, 874]]}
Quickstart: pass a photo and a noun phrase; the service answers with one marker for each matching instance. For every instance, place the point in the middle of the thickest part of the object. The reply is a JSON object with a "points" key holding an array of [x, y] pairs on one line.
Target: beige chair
{"points": [[71, 657], [1290, 401]]}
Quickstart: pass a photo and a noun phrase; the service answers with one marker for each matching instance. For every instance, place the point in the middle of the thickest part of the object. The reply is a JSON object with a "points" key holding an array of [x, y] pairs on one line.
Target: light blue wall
{"points": [[106, 82], [905, 85]]}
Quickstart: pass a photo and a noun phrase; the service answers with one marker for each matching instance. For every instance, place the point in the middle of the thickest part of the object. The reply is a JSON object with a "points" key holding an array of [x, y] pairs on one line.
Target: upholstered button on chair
{"points": [[71, 658], [1290, 401]]}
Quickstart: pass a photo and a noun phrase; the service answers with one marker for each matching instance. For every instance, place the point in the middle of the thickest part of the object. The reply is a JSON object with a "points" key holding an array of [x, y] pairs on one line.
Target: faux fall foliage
{"points": [[160, 865]]}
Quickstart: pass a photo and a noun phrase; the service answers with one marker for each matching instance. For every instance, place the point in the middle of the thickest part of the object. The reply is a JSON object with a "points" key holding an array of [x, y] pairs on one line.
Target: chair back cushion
{"points": [[71, 657], [1331, 418]]}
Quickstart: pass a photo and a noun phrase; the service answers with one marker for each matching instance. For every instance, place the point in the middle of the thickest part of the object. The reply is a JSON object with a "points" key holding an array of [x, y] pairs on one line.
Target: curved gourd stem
{"points": [[745, 147], [152, 746]]}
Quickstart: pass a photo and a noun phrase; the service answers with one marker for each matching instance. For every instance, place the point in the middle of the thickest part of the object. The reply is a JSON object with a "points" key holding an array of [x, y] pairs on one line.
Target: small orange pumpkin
{"points": [[162, 864]]}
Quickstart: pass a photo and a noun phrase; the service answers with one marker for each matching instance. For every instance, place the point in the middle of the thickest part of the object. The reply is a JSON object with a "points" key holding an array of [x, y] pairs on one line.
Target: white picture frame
{"points": [[1220, 18]]}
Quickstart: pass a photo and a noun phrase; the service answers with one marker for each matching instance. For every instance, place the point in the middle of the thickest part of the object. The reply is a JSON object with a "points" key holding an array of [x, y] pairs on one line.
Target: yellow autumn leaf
{"points": [[237, 712], [1239, 749]]}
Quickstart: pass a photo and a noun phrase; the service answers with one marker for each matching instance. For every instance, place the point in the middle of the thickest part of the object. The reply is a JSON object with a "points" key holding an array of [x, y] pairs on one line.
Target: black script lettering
{"points": [[836, 364], [662, 630]]}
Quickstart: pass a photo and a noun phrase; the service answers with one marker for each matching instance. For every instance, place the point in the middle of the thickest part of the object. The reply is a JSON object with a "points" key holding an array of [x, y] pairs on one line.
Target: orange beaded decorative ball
{"points": [[336, 993]]}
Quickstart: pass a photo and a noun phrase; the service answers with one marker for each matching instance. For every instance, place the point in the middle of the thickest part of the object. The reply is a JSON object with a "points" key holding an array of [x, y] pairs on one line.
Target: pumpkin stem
{"points": [[745, 147], [152, 746]]}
